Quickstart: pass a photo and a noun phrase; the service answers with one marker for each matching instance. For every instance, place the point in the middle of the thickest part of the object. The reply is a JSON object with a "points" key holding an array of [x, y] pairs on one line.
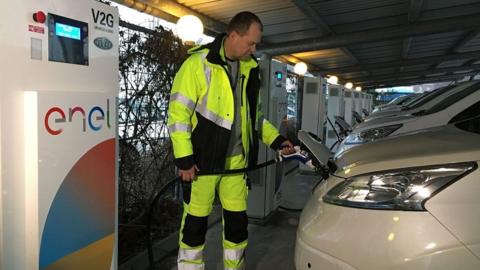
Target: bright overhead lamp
{"points": [[300, 68], [332, 79], [358, 88], [349, 85], [189, 28]]}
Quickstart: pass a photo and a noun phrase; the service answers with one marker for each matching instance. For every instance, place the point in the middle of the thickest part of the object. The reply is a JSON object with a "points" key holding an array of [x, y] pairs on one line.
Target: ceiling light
{"points": [[333, 79], [300, 68], [189, 28]]}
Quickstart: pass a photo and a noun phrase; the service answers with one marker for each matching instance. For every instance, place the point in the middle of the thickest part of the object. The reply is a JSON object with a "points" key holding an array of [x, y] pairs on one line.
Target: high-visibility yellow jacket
{"points": [[201, 110]]}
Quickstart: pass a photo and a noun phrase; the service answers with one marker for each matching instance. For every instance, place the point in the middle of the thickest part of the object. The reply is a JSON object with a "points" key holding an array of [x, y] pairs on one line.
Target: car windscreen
{"points": [[396, 100], [407, 99], [453, 98], [416, 99], [432, 95]]}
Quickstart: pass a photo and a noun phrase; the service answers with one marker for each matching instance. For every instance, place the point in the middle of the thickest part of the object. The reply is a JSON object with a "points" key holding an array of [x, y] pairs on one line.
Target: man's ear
{"points": [[233, 35]]}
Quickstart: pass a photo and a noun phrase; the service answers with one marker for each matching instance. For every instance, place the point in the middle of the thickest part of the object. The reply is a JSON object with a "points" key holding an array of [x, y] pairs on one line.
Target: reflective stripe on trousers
{"points": [[190, 259], [190, 266], [234, 259]]}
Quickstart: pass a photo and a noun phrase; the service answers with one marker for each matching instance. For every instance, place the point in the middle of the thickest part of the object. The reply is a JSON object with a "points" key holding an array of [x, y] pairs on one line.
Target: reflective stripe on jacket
{"points": [[201, 110]]}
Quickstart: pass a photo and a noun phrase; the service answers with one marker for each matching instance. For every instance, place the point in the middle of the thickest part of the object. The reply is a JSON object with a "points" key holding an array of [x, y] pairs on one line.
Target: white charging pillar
{"points": [[266, 194], [369, 103], [58, 178], [313, 105], [349, 105], [335, 107], [358, 103]]}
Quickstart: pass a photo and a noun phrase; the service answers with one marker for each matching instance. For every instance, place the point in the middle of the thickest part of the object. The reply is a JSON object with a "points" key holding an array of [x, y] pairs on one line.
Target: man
{"points": [[215, 121]]}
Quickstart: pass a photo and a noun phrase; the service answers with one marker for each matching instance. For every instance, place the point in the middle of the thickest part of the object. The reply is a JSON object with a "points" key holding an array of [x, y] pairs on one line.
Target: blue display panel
{"points": [[67, 31], [67, 40]]}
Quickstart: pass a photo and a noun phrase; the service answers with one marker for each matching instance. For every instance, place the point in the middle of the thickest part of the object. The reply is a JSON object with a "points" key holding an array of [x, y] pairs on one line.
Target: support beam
{"points": [[459, 45], [414, 10], [465, 40], [170, 10], [312, 15], [391, 64], [393, 83], [374, 35], [413, 15], [323, 28], [136, 27], [406, 47], [383, 77]]}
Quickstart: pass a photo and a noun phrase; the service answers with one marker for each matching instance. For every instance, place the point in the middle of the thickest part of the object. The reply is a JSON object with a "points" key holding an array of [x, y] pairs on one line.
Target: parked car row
{"points": [[403, 190]]}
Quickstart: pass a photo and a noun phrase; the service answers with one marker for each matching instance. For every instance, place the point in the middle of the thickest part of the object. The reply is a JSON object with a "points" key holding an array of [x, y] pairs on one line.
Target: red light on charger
{"points": [[39, 17]]}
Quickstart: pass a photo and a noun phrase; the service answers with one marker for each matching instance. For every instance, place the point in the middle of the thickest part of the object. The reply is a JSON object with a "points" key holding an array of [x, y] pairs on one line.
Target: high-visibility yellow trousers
{"points": [[198, 199]]}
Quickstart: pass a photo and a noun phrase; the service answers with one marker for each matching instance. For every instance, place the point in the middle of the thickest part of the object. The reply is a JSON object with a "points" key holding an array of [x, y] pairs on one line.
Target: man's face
{"points": [[246, 45]]}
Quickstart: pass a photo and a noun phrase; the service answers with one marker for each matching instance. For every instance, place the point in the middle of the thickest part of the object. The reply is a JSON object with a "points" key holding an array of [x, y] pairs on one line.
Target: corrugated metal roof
{"points": [[388, 33]]}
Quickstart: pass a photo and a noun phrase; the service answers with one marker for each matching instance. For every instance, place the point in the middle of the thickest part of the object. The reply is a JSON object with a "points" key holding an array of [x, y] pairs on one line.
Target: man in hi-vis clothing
{"points": [[215, 120]]}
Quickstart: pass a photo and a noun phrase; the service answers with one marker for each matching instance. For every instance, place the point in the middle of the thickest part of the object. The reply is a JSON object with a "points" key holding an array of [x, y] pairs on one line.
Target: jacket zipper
{"points": [[241, 89]]}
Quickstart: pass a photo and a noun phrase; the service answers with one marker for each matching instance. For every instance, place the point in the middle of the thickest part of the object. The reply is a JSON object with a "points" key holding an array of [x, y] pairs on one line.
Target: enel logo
{"points": [[94, 117]]}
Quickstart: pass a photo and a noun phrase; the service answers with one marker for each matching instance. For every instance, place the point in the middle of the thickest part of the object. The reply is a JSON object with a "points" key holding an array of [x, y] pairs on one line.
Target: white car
{"points": [[410, 202], [422, 102], [461, 102]]}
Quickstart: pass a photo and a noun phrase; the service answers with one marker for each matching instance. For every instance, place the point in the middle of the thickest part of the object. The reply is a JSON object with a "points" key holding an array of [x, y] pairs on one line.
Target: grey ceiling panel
{"points": [[368, 24], [289, 36], [415, 68], [449, 8], [348, 19], [472, 45], [453, 63], [365, 14], [292, 26]]}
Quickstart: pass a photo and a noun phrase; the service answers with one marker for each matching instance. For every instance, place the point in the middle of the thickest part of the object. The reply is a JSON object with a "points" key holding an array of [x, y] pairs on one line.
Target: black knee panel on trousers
{"points": [[235, 226], [194, 230]]}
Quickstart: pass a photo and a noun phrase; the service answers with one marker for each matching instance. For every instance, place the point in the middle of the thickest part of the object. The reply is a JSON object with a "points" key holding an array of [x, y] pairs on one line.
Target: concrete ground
{"points": [[272, 245]]}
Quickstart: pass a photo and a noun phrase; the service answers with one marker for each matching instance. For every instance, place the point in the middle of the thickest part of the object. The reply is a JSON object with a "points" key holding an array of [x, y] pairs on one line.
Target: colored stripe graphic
{"points": [[81, 220]]}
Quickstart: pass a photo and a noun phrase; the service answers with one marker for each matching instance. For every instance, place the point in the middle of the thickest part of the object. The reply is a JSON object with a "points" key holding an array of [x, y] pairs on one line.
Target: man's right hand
{"points": [[188, 175]]}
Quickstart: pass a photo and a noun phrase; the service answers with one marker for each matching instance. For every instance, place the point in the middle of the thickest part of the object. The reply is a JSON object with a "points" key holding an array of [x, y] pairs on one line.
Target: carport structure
{"points": [[372, 43]]}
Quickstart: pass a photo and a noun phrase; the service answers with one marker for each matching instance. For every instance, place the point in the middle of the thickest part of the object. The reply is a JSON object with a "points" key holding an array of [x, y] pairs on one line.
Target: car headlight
{"points": [[371, 134], [408, 189]]}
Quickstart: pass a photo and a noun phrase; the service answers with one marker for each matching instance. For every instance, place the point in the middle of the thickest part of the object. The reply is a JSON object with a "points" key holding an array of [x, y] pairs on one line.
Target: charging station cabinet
{"points": [[58, 126], [266, 193], [313, 106], [335, 107], [358, 102], [349, 105]]}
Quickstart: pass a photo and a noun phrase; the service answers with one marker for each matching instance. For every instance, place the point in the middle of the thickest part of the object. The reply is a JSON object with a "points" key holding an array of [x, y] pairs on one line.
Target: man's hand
{"points": [[287, 148], [188, 175]]}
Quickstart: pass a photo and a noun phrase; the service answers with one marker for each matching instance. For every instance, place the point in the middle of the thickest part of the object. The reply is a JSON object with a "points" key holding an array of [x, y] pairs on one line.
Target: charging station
{"points": [[313, 105], [364, 106], [358, 102], [369, 103], [266, 193], [349, 105], [335, 107], [58, 158]]}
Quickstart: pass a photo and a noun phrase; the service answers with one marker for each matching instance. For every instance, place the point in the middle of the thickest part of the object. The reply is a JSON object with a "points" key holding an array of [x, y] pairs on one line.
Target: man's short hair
{"points": [[241, 22]]}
